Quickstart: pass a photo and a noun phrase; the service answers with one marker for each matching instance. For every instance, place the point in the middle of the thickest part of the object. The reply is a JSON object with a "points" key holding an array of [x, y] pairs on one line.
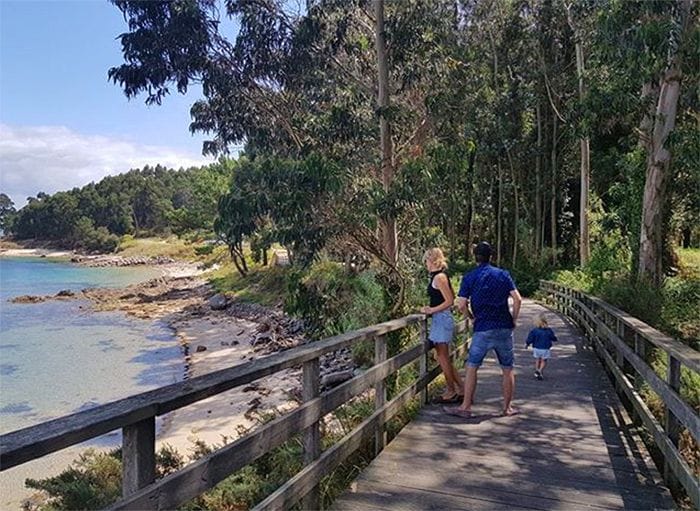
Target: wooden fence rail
{"points": [[625, 345], [135, 415]]}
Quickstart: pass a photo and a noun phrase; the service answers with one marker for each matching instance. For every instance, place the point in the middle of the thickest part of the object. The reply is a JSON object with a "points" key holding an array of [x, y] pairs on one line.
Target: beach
{"points": [[211, 340]]}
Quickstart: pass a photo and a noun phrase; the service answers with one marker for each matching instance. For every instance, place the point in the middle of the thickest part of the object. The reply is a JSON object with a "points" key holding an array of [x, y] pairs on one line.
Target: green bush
{"points": [[334, 301], [99, 239], [528, 273], [127, 241], [680, 315], [92, 482], [204, 249]]}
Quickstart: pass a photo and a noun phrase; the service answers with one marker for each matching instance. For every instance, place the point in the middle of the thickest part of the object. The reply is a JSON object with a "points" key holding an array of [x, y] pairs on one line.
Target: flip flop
{"points": [[439, 400], [456, 411], [513, 411]]}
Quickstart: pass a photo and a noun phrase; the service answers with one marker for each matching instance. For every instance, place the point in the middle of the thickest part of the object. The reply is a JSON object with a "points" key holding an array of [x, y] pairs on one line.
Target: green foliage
{"points": [[148, 201], [281, 200], [7, 212], [263, 285], [680, 315], [92, 482], [92, 239], [528, 273], [333, 300]]}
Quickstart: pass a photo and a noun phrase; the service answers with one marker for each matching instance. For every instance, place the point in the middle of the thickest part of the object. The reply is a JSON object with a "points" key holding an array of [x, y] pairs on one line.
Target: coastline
{"points": [[210, 339]]}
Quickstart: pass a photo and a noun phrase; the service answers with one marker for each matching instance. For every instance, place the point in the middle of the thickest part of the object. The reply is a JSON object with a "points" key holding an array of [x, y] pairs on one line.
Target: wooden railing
{"points": [[625, 344], [135, 415]]}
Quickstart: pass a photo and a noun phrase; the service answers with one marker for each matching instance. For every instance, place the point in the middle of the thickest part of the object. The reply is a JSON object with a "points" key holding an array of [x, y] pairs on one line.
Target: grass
{"points": [[690, 262], [173, 247], [263, 285]]}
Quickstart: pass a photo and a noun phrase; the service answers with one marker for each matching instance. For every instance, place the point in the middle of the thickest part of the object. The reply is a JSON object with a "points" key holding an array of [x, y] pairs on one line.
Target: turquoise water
{"points": [[59, 357]]}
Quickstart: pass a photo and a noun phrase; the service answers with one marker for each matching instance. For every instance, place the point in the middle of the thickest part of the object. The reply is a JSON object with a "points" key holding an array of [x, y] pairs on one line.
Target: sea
{"points": [[59, 357]]}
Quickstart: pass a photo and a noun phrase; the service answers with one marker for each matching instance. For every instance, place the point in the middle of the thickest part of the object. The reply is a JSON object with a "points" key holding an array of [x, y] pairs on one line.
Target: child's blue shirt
{"points": [[541, 338]]}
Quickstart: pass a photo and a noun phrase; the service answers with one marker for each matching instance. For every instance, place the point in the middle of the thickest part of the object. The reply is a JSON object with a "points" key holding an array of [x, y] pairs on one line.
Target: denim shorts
{"points": [[500, 340], [541, 353], [442, 327]]}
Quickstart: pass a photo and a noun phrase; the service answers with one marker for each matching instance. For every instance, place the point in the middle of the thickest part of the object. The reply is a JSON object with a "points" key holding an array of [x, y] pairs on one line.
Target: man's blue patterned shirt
{"points": [[488, 289]]}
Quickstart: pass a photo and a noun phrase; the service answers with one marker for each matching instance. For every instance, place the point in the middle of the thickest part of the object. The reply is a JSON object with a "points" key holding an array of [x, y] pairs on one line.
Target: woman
{"points": [[442, 326]]}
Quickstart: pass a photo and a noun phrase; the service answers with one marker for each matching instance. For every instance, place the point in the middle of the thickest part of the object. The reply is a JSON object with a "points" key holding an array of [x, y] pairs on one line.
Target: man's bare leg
{"points": [[469, 388], [508, 390]]}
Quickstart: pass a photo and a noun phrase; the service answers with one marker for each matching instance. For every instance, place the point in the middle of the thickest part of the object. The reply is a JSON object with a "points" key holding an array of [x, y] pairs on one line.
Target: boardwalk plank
{"points": [[571, 446]]}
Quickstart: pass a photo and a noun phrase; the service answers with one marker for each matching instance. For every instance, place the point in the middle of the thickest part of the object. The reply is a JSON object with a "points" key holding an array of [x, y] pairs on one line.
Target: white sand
{"points": [[34, 252], [222, 415]]}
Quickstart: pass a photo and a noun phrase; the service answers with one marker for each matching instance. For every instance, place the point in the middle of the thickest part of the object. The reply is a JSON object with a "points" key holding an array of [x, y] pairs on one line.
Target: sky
{"points": [[62, 123]]}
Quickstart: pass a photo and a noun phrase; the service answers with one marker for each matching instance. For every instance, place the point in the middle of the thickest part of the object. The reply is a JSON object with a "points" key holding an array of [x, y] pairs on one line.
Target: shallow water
{"points": [[59, 357]]}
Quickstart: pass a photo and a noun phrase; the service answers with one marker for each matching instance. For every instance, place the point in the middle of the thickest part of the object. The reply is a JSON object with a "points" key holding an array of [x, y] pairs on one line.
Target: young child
{"points": [[541, 337]]}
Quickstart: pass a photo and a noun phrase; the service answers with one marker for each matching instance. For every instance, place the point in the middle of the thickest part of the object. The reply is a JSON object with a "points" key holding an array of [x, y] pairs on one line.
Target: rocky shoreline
{"points": [[215, 332]]}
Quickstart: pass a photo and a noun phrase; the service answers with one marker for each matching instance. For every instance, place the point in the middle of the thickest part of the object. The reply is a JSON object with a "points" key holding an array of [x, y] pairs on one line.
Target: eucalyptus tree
{"points": [[291, 83], [650, 52]]}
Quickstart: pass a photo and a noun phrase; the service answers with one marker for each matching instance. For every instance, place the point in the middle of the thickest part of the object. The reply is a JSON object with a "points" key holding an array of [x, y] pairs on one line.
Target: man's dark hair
{"points": [[482, 252]]}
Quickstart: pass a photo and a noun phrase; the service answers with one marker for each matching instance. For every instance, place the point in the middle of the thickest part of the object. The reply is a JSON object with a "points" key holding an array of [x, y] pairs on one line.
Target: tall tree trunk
{"points": [[387, 222], [499, 215], [584, 241], [516, 207], [538, 184], [651, 241], [553, 200], [470, 202]]}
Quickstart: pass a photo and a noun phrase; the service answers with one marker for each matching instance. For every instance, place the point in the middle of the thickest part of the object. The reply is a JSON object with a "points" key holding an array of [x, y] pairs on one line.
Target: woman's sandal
{"points": [[456, 411], [440, 400]]}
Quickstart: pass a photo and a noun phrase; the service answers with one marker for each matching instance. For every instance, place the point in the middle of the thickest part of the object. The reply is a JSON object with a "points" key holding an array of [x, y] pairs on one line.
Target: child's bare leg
{"points": [[542, 364]]}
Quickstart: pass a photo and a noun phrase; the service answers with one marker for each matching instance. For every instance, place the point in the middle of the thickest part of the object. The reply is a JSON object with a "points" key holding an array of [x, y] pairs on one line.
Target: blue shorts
{"points": [[442, 327], [500, 340], [541, 353]]}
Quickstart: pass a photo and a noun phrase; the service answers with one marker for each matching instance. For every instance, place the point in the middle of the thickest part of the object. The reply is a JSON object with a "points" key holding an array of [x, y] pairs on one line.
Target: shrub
{"points": [[204, 249], [126, 241], [99, 239], [332, 300], [92, 482]]}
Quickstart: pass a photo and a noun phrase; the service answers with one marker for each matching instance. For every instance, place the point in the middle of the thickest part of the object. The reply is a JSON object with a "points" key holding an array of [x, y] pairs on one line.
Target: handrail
{"points": [[624, 342], [136, 416], [32, 442]]}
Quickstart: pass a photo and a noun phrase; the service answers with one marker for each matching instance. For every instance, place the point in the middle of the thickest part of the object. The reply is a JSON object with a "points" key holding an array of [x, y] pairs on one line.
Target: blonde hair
{"points": [[541, 321], [435, 256]]}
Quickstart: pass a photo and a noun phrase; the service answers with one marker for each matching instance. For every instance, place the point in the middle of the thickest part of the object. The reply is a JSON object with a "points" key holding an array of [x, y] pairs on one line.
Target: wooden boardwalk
{"points": [[570, 447]]}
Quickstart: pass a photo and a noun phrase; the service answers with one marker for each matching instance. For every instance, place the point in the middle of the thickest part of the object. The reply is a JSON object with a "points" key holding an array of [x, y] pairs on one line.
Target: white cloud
{"points": [[48, 159]]}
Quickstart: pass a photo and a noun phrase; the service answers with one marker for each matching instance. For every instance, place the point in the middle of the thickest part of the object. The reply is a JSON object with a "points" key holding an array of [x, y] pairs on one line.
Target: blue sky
{"points": [[62, 124]]}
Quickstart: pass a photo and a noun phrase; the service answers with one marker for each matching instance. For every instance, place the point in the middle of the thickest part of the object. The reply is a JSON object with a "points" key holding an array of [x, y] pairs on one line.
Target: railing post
{"points": [[640, 350], [673, 427], [423, 368], [379, 393], [620, 360], [312, 436], [138, 455]]}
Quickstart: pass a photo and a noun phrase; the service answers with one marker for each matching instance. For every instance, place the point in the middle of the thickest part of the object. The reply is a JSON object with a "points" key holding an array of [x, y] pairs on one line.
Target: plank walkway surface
{"points": [[569, 448]]}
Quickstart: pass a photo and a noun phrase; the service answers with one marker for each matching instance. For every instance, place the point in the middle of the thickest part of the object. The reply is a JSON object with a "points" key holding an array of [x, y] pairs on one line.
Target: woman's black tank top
{"points": [[435, 295]]}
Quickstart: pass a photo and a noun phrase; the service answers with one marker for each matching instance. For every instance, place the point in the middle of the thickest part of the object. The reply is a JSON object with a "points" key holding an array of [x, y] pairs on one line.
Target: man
{"points": [[486, 290]]}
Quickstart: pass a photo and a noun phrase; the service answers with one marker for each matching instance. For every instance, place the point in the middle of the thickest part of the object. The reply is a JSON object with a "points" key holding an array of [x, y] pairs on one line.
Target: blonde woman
{"points": [[442, 325]]}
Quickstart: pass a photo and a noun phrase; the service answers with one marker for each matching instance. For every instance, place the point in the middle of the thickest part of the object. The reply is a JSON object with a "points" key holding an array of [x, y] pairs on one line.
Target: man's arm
{"points": [[517, 301], [462, 304], [463, 307]]}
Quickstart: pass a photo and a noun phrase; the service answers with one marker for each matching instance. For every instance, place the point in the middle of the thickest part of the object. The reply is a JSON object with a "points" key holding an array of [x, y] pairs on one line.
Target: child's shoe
{"points": [[538, 375]]}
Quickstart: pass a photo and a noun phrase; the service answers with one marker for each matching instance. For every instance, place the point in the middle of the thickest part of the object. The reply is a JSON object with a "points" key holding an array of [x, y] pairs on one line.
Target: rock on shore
{"points": [[114, 260]]}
